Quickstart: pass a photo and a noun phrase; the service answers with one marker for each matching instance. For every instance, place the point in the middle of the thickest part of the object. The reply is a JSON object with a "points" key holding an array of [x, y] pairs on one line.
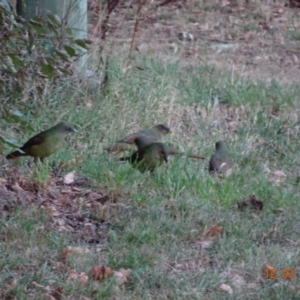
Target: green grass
{"points": [[161, 218]]}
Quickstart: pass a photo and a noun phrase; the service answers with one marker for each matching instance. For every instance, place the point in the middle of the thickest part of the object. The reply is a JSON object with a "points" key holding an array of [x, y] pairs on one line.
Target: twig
{"points": [[137, 20]]}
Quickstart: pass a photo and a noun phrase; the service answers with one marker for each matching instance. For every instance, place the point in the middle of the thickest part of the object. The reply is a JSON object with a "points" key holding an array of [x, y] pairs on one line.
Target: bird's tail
{"points": [[16, 154]]}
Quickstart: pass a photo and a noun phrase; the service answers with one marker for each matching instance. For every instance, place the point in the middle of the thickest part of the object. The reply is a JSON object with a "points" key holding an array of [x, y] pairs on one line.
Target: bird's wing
{"points": [[129, 139], [215, 163], [219, 164], [36, 140], [225, 166], [149, 134]]}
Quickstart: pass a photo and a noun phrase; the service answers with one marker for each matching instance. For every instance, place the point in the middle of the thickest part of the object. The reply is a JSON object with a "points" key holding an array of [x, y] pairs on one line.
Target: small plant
{"points": [[41, 174], [31, 54]]}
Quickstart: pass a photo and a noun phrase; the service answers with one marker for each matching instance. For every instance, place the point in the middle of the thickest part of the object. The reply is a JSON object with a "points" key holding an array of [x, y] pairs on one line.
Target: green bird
{"points": [[153, 134], [221, 162], [45, 143], [151, 155]]}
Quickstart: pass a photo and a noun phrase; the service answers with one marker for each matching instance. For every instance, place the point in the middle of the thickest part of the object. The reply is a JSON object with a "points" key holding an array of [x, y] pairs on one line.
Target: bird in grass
{"points": [[221, 162], [153, 134], [45, 143], [151, 155]]}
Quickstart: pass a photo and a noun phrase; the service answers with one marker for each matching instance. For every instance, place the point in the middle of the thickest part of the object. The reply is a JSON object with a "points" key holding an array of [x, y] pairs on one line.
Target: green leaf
{"points": [[47, 69], [36, 21], [54, 19], [82, 43], [70, 50], [39, 30], [16, 60], [63, 55], [69, 31]]}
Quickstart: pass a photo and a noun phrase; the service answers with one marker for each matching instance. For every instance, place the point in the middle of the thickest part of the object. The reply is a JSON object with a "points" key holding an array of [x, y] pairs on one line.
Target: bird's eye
{"points": [[69, 128]]}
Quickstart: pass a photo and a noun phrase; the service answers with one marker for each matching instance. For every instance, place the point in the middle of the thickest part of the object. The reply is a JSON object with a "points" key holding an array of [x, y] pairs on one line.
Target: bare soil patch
{"points": [[255, 39]]}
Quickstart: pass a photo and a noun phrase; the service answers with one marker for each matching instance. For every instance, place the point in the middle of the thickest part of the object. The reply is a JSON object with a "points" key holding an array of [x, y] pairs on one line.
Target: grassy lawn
{"points": [[155, 225]]}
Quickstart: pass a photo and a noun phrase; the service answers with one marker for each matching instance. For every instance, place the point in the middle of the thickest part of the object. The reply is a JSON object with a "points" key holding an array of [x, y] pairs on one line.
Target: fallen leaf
{"points": [[75, 189], [122, 275], [11, 284], [215, 230], [278, 176], [52, 211], [205, 243], [238, 281], [226, 288], [15, 187], [57, 265], [101, 272], [57, 293], [66, 191], [252, 285], [69, 177], [278, 173], [82, 277], [93, 196]]}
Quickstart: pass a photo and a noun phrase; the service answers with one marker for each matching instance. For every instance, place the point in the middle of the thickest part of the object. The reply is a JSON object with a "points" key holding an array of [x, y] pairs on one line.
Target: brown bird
{"points": [[153, 134], [151, 155], [44, 143], [221, 162]]}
